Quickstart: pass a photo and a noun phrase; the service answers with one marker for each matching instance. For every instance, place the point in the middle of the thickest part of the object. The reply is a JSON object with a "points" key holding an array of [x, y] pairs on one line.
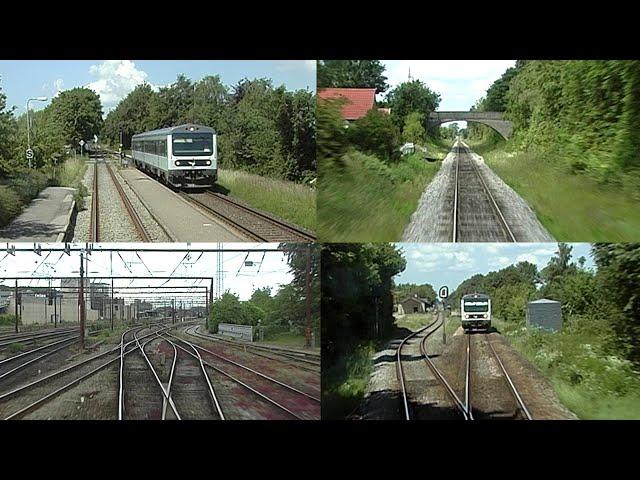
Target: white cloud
{"points": [[459, 82], [115, 80]]}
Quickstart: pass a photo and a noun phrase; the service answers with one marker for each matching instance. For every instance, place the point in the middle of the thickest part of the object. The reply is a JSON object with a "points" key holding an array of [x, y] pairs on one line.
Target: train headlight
{"points": [[208, 162], [466, 316], [177, 163]]}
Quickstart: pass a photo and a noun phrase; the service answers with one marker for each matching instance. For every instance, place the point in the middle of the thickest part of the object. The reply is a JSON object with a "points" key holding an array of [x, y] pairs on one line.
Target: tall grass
{"points": [[288, 200], [572, 206], [369, 200], [589, 381], [345, 381]]}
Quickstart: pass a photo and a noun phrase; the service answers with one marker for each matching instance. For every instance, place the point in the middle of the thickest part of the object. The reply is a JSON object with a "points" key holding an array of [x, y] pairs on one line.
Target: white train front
{"points": [[184, 156], [475, 311]]}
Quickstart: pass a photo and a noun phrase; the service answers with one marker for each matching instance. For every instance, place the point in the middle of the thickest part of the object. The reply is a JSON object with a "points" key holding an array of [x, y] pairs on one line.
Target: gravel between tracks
{"points": [[431, 222], [154, 231], [383, 399]]}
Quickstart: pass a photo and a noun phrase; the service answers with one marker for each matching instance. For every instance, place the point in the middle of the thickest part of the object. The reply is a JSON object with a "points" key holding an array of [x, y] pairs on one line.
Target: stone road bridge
{"points": [[494, 120]]}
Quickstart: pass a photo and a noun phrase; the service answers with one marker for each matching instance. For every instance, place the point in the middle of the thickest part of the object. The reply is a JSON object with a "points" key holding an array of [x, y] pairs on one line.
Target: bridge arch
{"points": [[494, 120]]}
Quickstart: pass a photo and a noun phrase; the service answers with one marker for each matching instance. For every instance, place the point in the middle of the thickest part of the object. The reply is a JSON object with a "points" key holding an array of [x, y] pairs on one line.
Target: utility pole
{"points": [[307, 333], [81, 301], [112, 303], [16, 294], [55, 309]]}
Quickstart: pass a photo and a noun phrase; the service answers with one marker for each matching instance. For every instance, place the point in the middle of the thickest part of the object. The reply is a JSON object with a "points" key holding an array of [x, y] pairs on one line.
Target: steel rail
{"points": [[36, 337], [253, 352], [263, 216], [467, 415], [512, 386], [260, 374], [240, 382], [494, 204], [400, 370], [166, 393], [455, 197], [212, 393], [133, 215], [94, 222], [69, 341]]}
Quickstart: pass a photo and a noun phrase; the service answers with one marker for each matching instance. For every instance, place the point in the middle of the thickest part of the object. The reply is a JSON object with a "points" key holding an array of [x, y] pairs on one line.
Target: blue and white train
{"points": [[184, 156]]}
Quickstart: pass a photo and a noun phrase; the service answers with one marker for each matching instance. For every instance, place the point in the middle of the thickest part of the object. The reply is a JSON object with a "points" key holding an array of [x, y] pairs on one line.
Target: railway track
{"points": [[476, 214], [284, 396], [95, 233], [463, 403], [288, 357], [430, 329], [521, 408], [257, 225], [23, 399]]}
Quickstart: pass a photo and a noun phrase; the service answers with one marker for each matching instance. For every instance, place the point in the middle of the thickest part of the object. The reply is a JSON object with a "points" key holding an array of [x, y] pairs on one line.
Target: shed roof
{"points": [[544, 300], [359, 100]]}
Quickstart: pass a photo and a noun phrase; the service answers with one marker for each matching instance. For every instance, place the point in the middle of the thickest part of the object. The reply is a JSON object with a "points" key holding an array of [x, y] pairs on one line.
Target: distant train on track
{"points": [[184, 156], [475, 311]]}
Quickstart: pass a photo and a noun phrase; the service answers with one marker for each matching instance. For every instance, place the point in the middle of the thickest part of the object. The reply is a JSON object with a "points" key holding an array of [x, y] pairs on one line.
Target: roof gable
{"points": [[359, 100]]}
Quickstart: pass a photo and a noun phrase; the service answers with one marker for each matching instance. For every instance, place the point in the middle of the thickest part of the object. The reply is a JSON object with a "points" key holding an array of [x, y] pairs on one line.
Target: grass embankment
{"points": [[17, 191], [588, 382], [291, 201], [8, 319], [370, 200], [573, 206]]}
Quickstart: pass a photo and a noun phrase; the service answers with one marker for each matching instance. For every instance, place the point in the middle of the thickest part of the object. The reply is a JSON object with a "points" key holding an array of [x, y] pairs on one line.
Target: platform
{"points": [[48, 218]]}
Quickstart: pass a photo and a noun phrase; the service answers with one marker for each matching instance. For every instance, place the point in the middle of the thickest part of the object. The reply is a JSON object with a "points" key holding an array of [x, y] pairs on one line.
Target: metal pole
{"points": [[81, 301], [307, 333], [55, 310], [28, 133], [444, 330], [16, 295], [112, 304]]}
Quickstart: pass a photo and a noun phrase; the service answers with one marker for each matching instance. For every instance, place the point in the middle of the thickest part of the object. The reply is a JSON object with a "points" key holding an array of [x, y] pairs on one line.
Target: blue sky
{"points": [[460, 83], [114, 79], [450, 263]]}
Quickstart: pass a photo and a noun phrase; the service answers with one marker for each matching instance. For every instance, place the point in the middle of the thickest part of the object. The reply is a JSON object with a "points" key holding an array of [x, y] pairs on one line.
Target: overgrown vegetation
{"points": [[575, 151], [594, 362], [367, 190], [292, 201], [280, 314], [8, 319], [357, 308]]}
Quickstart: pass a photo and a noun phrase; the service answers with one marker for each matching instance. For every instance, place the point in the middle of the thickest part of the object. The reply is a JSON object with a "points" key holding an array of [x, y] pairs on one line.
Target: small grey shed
{"points": [[544, 314]]}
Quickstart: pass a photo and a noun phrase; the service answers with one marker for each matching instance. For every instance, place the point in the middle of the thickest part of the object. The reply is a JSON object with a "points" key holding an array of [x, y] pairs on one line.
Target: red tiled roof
{"points": [[359, 100]]}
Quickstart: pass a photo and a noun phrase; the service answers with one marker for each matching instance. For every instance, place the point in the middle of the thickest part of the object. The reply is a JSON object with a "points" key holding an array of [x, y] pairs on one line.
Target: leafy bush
{"points": [[10, 204], [376, 133], [8, 319], [29, 183]]}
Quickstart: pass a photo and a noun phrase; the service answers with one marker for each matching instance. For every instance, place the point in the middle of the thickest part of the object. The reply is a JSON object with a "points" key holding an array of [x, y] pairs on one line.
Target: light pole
{"points": [[39, 99]]}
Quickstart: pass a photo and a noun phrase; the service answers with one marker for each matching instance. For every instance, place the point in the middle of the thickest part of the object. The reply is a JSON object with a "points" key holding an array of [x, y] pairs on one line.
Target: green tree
{"points": [[78, 112], [7, 131], [352, 74], [131, 115], [376, 133], [413, 130], [410, 97]]}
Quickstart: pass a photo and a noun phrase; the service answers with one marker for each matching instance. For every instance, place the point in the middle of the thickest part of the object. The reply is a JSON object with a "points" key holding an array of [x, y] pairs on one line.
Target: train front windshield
{"points": [[192, 144], [476, 306]]}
